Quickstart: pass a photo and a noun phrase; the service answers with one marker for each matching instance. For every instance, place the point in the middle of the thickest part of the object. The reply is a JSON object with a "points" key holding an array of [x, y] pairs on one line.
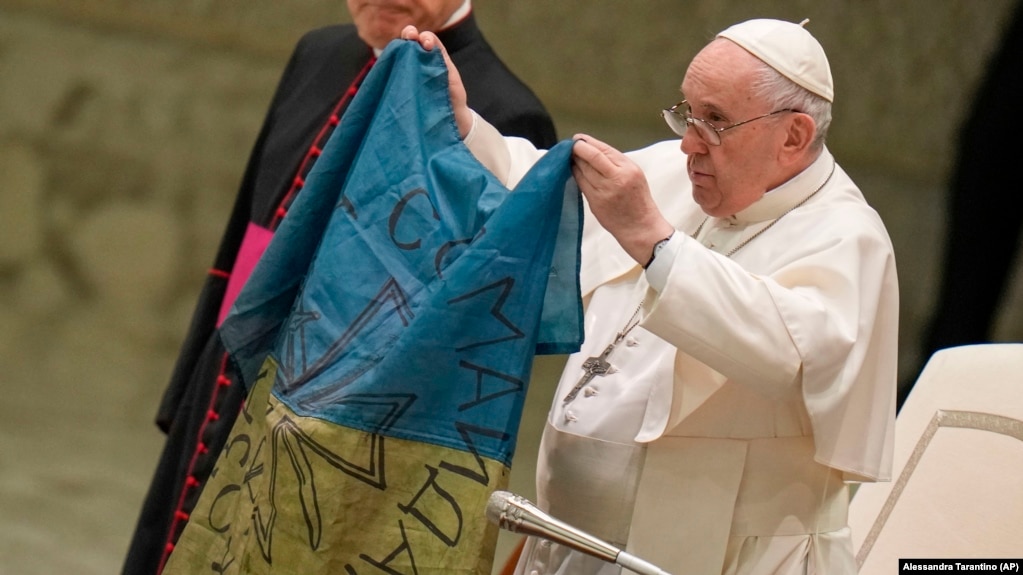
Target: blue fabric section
{"points": [[407, 290]]}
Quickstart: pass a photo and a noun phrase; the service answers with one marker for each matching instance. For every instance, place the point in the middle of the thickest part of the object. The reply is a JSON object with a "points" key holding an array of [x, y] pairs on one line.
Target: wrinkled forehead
{"points": [[721, 69]]}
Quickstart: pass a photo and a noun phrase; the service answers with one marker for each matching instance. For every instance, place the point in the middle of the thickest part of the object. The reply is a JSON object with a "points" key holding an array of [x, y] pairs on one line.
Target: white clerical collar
{"points": [[781, 199], [455, 18], [459, 14]]}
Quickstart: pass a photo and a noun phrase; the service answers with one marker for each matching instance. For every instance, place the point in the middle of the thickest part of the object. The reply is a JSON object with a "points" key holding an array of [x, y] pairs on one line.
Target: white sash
{"points": [[589, 483], [697, 492]]}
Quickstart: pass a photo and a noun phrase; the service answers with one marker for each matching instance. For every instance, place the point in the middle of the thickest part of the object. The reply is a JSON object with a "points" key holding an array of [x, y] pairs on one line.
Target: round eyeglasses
{"points": [[680, 116]]}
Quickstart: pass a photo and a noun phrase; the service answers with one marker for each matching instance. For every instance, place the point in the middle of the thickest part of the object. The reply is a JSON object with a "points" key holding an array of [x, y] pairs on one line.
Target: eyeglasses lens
{"points": [[675, 121], [679, 119]]}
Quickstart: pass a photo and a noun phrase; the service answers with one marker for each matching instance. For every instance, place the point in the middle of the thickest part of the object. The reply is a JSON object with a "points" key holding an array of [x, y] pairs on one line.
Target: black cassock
{"points": [[204, 396]]}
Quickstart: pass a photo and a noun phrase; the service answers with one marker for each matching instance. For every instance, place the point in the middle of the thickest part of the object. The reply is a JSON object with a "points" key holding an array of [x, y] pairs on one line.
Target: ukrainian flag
{"points": [[387, 337]]}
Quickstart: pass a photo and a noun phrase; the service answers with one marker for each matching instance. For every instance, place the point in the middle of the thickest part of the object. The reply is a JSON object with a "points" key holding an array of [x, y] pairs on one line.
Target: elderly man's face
{"points": [[730, 177], [380, 21]]}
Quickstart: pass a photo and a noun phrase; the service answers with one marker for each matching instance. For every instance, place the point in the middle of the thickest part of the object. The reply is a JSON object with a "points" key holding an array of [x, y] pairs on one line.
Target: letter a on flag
{"points": [[386, 337]]}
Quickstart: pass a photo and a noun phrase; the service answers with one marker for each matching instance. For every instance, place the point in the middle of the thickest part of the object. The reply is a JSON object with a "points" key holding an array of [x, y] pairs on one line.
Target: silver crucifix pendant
{"points": [[592, 367]]}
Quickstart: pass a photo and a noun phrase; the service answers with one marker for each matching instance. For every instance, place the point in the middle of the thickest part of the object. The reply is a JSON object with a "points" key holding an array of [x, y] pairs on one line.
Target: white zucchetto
{"points": [[788, 48]]}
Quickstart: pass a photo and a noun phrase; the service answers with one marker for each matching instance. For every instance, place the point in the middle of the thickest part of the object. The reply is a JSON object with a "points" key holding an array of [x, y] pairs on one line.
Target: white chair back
{"points": [[957, 488]]}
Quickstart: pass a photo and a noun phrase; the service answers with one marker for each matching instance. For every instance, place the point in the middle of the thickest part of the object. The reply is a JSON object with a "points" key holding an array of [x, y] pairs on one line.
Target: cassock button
{"points": [[546, 544], [590, 391], [631, 342], [569, 417]]}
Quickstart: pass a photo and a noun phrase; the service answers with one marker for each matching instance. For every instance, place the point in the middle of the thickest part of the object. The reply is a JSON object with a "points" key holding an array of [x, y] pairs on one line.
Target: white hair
{"points": [[783, 93]]}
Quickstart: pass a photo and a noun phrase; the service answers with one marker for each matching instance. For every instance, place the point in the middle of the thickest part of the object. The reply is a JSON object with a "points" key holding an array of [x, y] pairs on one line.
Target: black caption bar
{"points": [[907, 566]]}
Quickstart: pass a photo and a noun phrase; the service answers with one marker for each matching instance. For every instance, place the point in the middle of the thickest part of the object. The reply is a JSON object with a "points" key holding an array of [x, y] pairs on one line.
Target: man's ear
{"points": [[799, 135]]}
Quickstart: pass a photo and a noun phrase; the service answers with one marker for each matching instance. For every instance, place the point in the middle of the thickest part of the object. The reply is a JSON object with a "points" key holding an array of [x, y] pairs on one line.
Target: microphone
{"points": [[518, 515]]}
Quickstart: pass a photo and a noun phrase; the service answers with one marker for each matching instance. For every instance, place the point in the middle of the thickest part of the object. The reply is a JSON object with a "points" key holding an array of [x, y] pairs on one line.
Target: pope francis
{"points": [[739, 363]]}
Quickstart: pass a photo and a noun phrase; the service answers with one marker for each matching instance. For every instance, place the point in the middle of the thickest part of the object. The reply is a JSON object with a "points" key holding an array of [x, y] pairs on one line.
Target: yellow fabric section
{"points": [[296, 495]]}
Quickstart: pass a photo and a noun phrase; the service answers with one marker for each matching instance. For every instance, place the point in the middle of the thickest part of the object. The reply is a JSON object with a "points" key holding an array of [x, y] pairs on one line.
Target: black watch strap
{"points": [[657, 248]]}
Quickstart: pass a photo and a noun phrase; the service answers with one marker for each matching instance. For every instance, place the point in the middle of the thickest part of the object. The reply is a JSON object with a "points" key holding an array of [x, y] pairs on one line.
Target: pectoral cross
{"points": [[598, 364], [592, 367]]}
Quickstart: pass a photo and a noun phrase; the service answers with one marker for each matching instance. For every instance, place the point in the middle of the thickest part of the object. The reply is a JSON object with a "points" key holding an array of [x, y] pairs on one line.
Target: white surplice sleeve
{"points": [[508, 158]]}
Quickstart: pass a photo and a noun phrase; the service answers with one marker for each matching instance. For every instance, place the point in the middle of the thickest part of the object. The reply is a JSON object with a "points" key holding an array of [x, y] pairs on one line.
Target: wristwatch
{"points": [[657, 248]]}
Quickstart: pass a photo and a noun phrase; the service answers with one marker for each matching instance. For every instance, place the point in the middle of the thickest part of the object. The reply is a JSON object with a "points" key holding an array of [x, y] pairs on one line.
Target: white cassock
{"points": [[756, 385]]}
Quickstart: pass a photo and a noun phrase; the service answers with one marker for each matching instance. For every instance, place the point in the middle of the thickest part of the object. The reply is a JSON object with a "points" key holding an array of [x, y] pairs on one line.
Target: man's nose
{"points": [[692, 143]]}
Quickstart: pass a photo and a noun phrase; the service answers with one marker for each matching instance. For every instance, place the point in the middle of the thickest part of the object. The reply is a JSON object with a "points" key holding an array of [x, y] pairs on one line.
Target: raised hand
{"points": [[619, 196], [429, 40]]}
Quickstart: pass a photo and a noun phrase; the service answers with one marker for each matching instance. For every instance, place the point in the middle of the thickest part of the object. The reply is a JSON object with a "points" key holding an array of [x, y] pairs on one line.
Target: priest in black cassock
{"points": [[204, 396]]}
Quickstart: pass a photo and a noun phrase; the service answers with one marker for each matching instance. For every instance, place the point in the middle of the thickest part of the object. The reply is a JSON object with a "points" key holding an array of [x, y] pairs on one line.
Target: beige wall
{"points": [[602, 62], [125, 126]]}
